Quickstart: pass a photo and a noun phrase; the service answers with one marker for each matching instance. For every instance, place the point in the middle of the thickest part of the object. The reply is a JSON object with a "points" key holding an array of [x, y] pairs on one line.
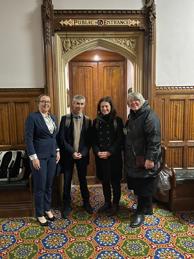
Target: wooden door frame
{"points": [[140, 22]]}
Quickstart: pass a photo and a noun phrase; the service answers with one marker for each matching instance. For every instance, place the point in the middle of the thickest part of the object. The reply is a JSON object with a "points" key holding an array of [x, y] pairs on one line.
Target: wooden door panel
{"points": [[84, 81], [112, 82]]}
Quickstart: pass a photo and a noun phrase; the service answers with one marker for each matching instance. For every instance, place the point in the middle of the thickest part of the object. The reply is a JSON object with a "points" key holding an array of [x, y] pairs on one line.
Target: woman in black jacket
{"points": [[142, 154], [107, 147]]}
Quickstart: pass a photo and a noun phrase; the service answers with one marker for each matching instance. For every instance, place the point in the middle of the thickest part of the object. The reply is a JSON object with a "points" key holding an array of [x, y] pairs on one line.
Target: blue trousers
{"points": [[42, 185]]}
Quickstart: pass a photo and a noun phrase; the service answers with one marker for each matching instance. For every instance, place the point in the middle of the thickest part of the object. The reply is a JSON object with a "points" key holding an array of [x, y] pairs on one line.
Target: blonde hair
{"points": [[40, 96]]}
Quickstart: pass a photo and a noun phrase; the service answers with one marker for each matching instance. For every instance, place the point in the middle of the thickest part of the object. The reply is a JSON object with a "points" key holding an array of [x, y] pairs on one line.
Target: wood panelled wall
{"points": [[175, 107], [15, 105]]}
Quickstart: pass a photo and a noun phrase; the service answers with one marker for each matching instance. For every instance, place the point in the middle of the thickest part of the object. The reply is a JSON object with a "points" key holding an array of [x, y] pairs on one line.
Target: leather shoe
{"points": [[113, 210], [137, 220], [105, 208], [88, 208], [148, 211], [43, 224]]}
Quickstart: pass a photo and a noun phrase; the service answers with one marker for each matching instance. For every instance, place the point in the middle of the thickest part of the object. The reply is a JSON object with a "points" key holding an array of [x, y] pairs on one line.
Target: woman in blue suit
{"points": [[40, 137]]}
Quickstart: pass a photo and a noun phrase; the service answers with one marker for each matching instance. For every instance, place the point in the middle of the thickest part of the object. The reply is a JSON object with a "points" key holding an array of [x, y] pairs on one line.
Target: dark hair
{"points": [[107, 99]]}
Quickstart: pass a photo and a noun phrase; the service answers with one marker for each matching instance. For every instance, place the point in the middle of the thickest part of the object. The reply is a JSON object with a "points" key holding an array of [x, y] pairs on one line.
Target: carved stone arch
{"points": [[96, 43], [70, 45]]}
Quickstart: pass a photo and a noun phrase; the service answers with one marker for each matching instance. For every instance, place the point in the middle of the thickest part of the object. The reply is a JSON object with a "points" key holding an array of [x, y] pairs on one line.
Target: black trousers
{"points": [[144, 204], [109, 181], [116, 189], [81, 166]]}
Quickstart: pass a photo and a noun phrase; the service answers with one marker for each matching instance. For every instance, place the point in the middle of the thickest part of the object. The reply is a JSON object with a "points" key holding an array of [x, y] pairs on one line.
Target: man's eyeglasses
{"points": [[45, 102]]}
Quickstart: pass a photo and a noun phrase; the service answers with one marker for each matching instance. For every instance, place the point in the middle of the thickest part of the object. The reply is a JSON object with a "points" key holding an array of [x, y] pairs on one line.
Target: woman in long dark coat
{"points": [[142, 154], [107, 147]]}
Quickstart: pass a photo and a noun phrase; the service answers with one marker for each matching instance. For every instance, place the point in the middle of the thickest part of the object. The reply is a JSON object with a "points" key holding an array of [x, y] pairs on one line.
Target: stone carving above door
{"points": [[72, 43]]}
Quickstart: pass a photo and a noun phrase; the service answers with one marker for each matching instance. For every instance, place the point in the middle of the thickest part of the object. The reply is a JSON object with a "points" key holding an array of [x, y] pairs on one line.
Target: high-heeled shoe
{"points": [[43, 224], [50, 218]]}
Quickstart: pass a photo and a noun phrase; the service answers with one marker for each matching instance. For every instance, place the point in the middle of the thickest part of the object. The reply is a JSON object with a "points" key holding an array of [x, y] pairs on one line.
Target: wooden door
{"points": [[95, 79]]}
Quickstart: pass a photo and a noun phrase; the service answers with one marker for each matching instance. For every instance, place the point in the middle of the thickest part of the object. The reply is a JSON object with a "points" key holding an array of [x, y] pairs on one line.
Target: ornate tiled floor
{"points": [[81, 235]]}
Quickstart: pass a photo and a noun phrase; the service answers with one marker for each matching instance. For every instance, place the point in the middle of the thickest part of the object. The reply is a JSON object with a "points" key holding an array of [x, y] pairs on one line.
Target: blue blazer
{"points": [[38, 138]]}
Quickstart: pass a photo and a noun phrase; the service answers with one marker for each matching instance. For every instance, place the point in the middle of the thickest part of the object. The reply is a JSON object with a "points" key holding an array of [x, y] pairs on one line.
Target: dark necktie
{"points": [[77, 117]]}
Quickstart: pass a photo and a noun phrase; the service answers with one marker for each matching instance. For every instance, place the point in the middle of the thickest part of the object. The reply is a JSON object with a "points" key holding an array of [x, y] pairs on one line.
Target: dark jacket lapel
{"points": [[43, 123]]}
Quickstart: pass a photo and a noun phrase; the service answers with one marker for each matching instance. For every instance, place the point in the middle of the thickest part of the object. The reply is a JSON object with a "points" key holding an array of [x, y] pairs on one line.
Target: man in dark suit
{"points": [[74, 142], [40, 138]]}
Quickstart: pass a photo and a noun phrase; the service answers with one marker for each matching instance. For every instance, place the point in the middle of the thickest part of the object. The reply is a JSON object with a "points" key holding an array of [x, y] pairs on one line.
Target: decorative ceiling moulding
{"points": [[130, 33]]}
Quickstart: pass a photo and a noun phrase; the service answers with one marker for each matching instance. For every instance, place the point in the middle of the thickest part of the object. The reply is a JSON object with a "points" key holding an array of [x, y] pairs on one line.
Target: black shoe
{"points": [[105, 208], [113, 211], [137, 220], [88, 208], [47, 217], [66, 212], [45, 224], [148, 211]]}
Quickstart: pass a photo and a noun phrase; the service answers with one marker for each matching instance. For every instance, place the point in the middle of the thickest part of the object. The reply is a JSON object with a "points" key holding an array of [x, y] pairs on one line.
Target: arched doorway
{"points": [[70, 45], [130, 33], [97, 73]]}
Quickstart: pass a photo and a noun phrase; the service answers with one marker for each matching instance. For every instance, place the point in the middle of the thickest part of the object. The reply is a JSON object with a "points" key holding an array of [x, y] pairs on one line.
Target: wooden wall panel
{"points": [[175, 107], [160, 110], [4, 124], [190, 118], [15, 105], [175, 120], [175, 157], [190, 157], [22, 110]]}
